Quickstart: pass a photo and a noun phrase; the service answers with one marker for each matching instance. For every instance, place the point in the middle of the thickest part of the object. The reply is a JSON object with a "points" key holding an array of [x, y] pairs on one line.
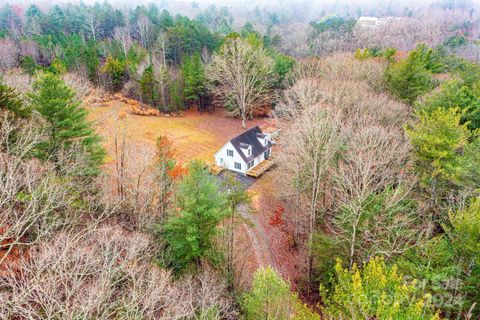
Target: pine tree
{"points": [[148, 87], [375, 291], [189, 232], [438, 139], [193, 74], [176, 101], [269, 298], [115, 69], [408, 79], [11, 101], [66, 122]]}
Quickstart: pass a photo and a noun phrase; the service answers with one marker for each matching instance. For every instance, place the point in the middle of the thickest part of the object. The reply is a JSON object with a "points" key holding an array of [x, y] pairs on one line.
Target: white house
{"points": [[374, 22], [245, 151]]}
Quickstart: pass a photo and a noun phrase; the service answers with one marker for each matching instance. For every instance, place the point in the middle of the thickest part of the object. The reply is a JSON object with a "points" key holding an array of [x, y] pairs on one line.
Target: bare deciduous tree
{"points": [[144, 26], [242, 75], [161, 47], [8, 54], [310, 150], [105, 272], [122, 35], [344, 145]]}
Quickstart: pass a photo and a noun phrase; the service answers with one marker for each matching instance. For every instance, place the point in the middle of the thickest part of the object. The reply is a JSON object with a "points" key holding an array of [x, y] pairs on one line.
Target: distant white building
{"points": [[367, 22], [245, 152], [373, 22]]}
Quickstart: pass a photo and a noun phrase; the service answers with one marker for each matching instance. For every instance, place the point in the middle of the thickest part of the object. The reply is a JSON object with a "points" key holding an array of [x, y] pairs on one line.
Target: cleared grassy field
{"points": [[194, 135]]}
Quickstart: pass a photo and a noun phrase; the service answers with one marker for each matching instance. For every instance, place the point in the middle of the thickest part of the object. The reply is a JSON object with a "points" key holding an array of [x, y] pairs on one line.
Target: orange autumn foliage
{"points": [[276, 219], [177, 172]]}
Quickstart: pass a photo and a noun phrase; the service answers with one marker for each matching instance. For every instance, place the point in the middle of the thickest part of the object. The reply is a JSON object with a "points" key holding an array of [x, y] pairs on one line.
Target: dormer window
{"points": [[262, 138], [246, 149]]}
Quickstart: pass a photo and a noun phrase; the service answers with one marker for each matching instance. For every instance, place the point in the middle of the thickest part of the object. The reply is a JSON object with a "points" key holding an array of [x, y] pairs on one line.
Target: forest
{"points": [[110, 114]]}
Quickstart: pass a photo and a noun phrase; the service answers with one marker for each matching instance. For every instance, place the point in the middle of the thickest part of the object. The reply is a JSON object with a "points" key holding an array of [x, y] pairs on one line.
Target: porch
{"points": [[260, 168]]}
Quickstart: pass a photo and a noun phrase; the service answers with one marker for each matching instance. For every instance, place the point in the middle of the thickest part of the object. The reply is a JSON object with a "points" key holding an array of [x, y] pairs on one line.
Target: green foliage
{"points": [[187, 37], [190, 230], [465, 237], [333, 23], [375, 52], [455, 41], [176, 99], [57, 67], [455, 94], [448, 265], [66, 124], [135, 56], [115, 69], [91, 60], [27, 63], [375, 291], [269, 297], [194, 80], [11, 101], [431, 59], [217, 19], [434, 264], [438, 139], [383, 223], [149, 87], [283, 65], [408, 79], [468, 72]]}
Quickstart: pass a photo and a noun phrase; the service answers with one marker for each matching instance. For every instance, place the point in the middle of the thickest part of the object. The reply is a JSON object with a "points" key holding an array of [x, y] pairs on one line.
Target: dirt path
{"points": [[256, 233]]}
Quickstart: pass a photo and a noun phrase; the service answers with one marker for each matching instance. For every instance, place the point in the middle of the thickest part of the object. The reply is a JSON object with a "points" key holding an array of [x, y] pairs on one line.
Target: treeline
{"points": [[143, 52], [164, 244], [382, 157]]}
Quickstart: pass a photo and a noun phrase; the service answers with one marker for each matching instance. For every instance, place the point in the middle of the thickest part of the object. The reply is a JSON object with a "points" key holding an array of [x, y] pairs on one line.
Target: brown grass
{"points": [[194, 135]]}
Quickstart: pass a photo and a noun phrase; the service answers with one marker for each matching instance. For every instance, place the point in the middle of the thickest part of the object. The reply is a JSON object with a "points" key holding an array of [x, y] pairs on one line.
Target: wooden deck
{"points": [[260, 168], [215, 170]]}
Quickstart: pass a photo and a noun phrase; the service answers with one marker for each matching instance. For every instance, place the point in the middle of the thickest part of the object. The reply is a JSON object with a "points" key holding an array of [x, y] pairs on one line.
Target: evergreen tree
{"points": [[465, 237], [27, 63], [176, 100], [115, 70], [269, 298], [66, 122], [11, 101], [189, 231], [194, 81], [456, 94], [408, 79], [438, 139], [236, 196], [375, 291], [149, 87]]}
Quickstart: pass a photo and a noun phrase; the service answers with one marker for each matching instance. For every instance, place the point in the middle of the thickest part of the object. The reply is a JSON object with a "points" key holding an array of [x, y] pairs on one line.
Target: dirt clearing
{"points": [[194, 135]]}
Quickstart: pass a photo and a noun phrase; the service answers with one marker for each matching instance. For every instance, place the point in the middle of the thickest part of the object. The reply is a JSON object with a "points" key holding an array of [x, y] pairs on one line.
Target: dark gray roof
{"points": [[249, 137]]}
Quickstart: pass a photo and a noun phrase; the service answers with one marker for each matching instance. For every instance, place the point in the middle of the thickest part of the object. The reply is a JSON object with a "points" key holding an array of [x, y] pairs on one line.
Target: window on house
{"points": [[238, 165], [250, 164], [249, 151], [229, 153], [266, 141], [266, 154]]}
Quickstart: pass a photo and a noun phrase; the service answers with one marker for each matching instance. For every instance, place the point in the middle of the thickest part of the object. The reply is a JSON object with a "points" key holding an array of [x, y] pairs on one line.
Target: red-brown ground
{"points": [[198, 136]]}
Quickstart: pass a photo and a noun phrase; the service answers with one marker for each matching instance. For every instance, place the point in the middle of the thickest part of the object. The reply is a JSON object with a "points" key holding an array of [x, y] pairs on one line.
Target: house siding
{"points": [[228, 162], [222, 159]]}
